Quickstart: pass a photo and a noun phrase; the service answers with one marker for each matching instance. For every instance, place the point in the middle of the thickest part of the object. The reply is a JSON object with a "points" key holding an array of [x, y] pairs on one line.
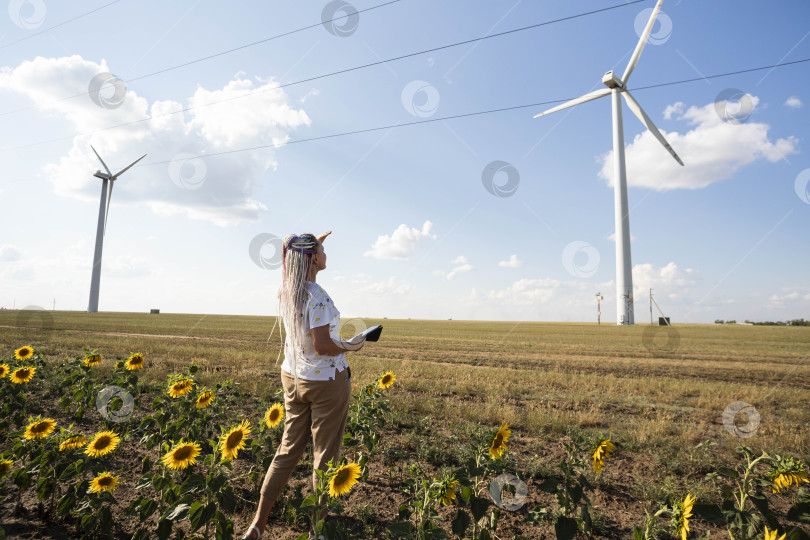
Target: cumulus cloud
{"points": [[462, 265], [9, 253], [793, 102], [713, 150], [513, 262], [795, 299], [669, 280], [218, 189], [675, 108], [401, 243]]}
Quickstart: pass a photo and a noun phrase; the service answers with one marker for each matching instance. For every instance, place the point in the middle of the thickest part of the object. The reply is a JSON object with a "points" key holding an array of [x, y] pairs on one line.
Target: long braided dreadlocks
{"points": [[296, 256]]}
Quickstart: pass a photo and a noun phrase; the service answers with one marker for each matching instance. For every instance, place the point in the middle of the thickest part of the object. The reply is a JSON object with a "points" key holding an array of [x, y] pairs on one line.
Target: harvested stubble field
{"points": [[656, 392]]}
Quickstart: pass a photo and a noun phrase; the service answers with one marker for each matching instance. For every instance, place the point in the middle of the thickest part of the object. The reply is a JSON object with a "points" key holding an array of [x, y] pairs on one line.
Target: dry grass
{"points": [[635, 384]]}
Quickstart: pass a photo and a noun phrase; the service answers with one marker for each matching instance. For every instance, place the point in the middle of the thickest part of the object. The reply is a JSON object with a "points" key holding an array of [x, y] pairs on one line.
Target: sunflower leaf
{"points": [[478, 507], [461, 521]]}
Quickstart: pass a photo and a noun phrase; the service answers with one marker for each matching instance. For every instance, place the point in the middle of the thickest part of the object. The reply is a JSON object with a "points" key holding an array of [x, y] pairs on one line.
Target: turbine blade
{"points": [[581, 99], [122, 171], [641, 42], [107, 210], [101, 160], [639, 112]]}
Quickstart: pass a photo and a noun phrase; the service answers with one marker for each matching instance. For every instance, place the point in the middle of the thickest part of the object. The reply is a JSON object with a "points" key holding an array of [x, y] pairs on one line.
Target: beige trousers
{"points": [[318, 409]]}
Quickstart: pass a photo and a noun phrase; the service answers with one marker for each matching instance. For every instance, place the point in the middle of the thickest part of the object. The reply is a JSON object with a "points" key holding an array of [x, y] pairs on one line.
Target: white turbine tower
{"points": [[104, 208], [618, 87]]}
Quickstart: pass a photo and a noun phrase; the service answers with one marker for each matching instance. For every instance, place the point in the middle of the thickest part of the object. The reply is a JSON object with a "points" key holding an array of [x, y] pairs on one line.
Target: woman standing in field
{"points": [[315, 374]]}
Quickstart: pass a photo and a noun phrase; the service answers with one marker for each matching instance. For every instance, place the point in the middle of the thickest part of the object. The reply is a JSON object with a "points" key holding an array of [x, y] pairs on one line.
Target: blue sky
{"points": [[416, 234]]}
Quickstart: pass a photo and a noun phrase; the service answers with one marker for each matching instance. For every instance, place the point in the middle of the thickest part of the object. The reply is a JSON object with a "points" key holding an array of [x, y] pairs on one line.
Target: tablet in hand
{"points": [[370, 334]]}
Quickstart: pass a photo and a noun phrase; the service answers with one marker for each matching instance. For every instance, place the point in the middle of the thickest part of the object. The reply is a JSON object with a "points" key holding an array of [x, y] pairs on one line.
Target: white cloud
{"points": [[390, 287], [712, 151], [223, 193], [793, 102], [401, 243], [513, 262], [668, 281], [612, 237], [462, 265], [795, 299], [9, 253], [676, 108]]}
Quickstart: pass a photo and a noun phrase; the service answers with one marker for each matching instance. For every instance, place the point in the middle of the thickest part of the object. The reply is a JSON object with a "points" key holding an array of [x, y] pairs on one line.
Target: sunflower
{"points": [[74, 441], [233, 441], [771, 535], [682, 511], [103, 443], [787, 472], [5, 467], [40, 429], [343, 479], [205, 399], [135, 361], [274, 415], [448, 493], [180, 387], [103, 482], [24, 353], [602, 450], [182, 455], [4, 369], [92, 360], [499, 441], [23, 374], [387, 380]]}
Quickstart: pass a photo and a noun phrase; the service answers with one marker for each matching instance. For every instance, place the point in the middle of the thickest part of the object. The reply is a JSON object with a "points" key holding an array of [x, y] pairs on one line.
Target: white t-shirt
{"points": [[318, 311]]}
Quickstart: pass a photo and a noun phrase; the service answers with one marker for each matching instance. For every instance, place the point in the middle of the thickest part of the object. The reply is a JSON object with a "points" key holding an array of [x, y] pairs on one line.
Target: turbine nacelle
{"points": [[103, 176], [610, 80]]}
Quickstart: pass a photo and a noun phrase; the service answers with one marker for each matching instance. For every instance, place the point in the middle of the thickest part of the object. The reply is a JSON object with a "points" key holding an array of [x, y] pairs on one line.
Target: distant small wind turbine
{"points": [[104, 208], [617, 87]]}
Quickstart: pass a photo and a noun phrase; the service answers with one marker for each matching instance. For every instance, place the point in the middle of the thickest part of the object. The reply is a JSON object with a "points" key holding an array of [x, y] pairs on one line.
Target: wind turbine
{"points": [[618, 87], [103, 209]]}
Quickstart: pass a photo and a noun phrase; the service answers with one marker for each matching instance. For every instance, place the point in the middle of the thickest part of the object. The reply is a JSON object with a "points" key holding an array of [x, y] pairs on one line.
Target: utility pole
{"points": [[599, 308]]}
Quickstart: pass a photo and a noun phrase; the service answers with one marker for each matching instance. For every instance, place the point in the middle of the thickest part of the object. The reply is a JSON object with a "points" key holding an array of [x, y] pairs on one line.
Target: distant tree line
{"points": [[792, 322]]}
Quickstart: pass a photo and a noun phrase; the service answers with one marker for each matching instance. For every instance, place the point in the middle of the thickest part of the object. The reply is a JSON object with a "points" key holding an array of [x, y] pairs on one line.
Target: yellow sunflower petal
{"points": [[40, 429], [102, 444], [343, 479], [274, 415], [24, 353]]}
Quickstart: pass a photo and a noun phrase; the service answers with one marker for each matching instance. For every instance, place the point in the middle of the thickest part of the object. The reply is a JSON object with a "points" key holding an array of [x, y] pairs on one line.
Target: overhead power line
{"points": [[467, 115], [210, 56], [34, 34], [339, 72]]}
